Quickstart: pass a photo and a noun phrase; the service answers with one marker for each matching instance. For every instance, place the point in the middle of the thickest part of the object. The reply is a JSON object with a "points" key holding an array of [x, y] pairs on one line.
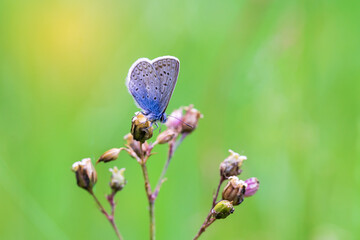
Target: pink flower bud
{"points": [[174, 120], [252, 186]]}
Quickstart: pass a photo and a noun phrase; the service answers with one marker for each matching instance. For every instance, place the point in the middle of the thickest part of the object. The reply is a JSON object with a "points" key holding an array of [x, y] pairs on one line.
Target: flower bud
{"points": [[191, 117], [252, 186], [86, 176], [134, 146], [117, 181], [222, 209], [166, 136], [141, 128], [174, 121], [234, 191], [110, 155], [231, 166]]}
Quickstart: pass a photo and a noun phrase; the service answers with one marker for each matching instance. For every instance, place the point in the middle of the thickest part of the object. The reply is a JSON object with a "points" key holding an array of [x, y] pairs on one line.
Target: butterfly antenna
{"points": [[181, 121]]}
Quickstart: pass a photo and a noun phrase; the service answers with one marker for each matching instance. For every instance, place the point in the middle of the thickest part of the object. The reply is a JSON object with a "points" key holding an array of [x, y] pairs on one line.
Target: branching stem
{"points": [[109, 217]]}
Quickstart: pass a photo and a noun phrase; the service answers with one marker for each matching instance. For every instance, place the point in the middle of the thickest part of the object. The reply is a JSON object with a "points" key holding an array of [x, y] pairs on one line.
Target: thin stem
{"points": [[109, 217], [172, 149], [152, 218], [208, 221], [146, 180], [222, 179], [153, 195], [149, 193]]}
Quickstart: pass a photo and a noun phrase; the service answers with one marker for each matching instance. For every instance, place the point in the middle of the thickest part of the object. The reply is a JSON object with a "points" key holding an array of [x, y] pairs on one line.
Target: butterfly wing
{"points": [[167, 70], [142, 82]]}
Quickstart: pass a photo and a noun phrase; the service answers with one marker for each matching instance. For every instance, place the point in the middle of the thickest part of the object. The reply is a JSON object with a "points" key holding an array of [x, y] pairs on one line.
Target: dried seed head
{"points": [[118, 180], [191, 117], [252, 186], [110, 155], [231, 166], [234, 191], [222, 209], [166, 136], [86, 176], [141, 128], [174, 120]]}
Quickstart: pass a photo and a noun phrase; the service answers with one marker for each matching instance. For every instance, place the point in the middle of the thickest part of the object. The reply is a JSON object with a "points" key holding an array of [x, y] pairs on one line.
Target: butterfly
{"points": [[151, 83]]}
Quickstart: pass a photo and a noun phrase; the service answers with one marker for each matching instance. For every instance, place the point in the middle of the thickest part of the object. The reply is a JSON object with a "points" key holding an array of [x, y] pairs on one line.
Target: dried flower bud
{"points": [[141, 128], [86, 176], [222, 209], [174, 120], [252, 186], [110, 155], [134, 146], [117, 181], [234, 191], [166, 136], [231, 166], [191, 117]]}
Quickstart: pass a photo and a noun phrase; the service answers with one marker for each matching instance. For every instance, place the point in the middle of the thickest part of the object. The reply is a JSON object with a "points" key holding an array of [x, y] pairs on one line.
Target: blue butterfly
{"points": [[151, 83]]}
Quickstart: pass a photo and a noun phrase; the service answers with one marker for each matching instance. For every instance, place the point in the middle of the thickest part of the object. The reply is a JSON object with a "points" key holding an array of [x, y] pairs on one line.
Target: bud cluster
{"points": [[235, 190], [184, 123]]}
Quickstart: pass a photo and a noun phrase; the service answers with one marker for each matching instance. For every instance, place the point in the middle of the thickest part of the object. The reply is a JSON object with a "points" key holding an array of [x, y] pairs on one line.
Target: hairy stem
{"points": [[109, 217]]}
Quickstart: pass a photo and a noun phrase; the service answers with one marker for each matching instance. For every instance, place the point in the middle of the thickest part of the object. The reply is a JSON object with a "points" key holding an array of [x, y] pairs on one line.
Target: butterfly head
{"points": [[163, 118]]}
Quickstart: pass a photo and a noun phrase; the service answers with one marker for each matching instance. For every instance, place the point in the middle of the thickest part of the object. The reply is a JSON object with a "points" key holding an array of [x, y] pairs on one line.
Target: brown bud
{"points": [[222, 209], [234, 191], [110, 155], [231, 166], [141, 128], [166, 136], [117, 181], [191, 117], [134, 146], [86, 176]]}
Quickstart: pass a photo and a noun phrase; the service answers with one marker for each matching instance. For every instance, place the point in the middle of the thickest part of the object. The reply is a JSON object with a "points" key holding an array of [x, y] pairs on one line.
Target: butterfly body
{"points": [[151, 83]]}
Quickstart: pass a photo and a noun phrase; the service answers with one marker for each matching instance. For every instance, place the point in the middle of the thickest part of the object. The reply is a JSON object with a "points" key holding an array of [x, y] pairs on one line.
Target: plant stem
{"points": [[152, 195], [172, 149], [109, 217], [208, 221], [152, 218], [222, 179]]}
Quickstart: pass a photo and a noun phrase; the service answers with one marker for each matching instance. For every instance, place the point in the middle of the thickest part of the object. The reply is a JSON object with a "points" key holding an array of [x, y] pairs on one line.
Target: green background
{"points": [[277, 81]]}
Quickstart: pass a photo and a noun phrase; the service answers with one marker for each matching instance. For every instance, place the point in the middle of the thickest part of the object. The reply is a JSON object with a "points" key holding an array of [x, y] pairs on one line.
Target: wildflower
{"points": [[117, 181], [231, 166], [234, 191], [222, 209], [252, 186], [141, 128], [86, 176]]}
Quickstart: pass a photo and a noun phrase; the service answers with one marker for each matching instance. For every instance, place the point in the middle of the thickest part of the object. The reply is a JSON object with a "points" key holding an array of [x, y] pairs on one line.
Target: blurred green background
{"points": [[277, 81]]}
